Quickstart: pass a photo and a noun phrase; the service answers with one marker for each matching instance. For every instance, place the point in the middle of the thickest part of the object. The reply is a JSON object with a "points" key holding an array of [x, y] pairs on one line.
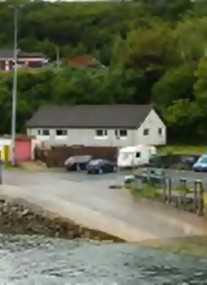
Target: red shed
{"points": [[23, 148]]}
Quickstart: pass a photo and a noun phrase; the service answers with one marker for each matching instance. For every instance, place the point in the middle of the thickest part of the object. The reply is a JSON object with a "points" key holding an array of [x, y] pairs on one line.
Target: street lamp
{"points": [[14, 90]]}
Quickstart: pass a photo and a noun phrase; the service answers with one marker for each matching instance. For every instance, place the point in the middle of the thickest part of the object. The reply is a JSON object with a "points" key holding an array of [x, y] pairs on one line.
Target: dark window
{"points": [[45, 132], [101, 133], [61, 132], [137, 154], [146, 132], [39, 132], [123, 133], [160, 131]]}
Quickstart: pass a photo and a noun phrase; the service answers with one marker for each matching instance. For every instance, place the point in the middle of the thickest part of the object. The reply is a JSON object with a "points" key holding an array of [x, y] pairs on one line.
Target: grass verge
{"points": [[185, 149], [146, 191]]}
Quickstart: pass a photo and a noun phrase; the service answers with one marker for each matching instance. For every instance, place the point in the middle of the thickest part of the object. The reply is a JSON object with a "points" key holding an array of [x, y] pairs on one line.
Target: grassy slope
{"points": [[197, 149]]}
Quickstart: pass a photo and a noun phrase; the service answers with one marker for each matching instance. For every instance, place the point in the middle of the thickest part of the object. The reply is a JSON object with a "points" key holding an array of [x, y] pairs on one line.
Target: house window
{"points": [[138, 154], [45, 132], [146, 132], [39, 132], [101, 133], [160, 131], [61, 132], [121, 133]]}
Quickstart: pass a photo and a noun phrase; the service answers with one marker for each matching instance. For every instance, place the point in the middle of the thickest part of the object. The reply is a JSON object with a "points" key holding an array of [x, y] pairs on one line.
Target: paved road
{"points": [[88, 200]]}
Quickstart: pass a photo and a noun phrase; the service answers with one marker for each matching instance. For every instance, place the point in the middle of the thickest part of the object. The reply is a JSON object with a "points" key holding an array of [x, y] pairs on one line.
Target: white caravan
{"points": [[135, 155]]}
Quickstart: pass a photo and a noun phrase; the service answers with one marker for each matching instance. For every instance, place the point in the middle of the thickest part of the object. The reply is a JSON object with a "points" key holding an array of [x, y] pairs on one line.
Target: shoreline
{"points": [[18, 216]]}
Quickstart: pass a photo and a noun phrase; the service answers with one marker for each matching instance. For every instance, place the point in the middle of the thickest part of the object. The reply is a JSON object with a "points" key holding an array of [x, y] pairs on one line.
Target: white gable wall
{"points": [[153, 123]]}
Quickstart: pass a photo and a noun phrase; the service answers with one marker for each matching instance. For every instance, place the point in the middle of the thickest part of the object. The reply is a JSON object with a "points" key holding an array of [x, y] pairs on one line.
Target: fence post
{"points": [[169, 196], [164, 189], [163, 185], [182, 193], [205, 203], [200, 198], [148, 177], [195, 196]]}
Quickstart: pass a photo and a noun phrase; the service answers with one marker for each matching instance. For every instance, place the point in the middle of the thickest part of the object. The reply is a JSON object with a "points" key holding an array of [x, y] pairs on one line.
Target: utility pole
{"points": [[14, 90]]}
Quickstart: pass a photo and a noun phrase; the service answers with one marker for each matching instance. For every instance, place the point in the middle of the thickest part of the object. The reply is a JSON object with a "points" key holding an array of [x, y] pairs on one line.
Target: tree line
{"points": [[155, 51]]}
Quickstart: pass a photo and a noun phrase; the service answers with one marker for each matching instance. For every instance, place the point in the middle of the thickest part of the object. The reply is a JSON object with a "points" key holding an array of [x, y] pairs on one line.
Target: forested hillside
{"points": [[153, 50]]}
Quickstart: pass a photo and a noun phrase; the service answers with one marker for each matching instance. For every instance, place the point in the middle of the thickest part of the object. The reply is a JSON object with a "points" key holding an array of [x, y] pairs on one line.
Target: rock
{"points": [[24, 213], [86, 235], [16, 218], [70, 235], [57, 234]]}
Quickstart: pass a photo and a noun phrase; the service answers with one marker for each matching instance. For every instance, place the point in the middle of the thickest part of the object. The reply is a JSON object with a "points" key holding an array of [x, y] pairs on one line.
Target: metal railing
{"points": [[184, 193]]}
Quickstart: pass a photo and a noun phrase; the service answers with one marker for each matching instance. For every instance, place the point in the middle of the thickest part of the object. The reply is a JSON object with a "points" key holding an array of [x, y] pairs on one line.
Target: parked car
{"points": [[175, 161], [76, 163], [201, 164], [101, 166], [188, 160]]}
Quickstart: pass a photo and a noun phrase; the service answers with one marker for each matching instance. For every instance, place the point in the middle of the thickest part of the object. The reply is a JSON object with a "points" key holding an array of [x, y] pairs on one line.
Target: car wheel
{"points": [[114, 169], [78, 168], [100, 171]]}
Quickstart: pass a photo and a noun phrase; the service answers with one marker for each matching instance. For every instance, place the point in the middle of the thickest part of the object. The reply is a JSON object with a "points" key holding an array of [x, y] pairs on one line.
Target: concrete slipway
{"points": [[88, 201]]}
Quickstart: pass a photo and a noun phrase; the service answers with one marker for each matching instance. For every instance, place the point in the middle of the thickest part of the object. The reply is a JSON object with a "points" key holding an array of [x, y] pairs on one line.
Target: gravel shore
{"points": [[20, 217]]}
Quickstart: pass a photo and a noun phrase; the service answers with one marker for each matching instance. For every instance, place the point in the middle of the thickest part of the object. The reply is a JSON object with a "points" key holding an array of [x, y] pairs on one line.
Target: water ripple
{"points": [[36, 260]]}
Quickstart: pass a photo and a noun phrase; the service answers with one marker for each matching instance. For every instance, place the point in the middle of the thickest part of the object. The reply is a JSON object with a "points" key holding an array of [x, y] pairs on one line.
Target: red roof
{"points": [[83, 60]]}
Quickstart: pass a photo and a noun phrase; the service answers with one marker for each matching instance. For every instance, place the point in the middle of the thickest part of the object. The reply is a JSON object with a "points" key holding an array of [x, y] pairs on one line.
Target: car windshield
{"points": [[96, 162], [203, 159]]}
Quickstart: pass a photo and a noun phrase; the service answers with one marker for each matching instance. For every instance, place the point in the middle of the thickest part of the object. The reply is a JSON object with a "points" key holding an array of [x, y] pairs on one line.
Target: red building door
{"points": [[23, 149]]}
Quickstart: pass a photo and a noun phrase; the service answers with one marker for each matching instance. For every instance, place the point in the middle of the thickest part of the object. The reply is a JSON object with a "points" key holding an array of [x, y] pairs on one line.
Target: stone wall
{"points": [[20, 217]]}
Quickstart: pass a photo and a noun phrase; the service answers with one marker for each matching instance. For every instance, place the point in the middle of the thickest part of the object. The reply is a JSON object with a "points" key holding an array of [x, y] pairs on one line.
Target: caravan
{"points": [[135, 155]]}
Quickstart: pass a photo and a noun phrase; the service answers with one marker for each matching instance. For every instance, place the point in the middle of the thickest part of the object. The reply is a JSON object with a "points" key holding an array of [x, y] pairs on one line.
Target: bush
{"points": [[146, 191]]}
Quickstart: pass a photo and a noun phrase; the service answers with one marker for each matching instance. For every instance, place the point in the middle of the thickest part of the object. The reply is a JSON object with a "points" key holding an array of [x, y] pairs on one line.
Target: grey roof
{"points": [[9, 53], [30, 54], [6, 53], [89, 116]]}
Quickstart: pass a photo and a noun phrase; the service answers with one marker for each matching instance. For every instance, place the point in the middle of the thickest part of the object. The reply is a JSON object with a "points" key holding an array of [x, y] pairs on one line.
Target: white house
{"points": [[97, 125]]}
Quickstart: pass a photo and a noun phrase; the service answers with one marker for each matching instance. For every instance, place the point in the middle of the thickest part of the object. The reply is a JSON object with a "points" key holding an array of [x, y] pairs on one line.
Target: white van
{"points": [[135, 155]]}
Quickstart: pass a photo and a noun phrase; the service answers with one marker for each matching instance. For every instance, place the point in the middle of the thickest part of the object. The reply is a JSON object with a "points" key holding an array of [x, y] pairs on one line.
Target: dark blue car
{"points": [[99, 166]]}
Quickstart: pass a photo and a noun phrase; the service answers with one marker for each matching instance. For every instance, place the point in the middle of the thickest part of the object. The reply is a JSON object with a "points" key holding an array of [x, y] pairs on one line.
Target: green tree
{"points": [[190, 39], [176, 83]]}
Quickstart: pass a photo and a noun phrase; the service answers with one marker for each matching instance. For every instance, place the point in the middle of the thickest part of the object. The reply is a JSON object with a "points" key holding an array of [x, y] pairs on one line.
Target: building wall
{"points": [[31, 62], [6, 64], [85, 137], [153, 123], [88, 137]]}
